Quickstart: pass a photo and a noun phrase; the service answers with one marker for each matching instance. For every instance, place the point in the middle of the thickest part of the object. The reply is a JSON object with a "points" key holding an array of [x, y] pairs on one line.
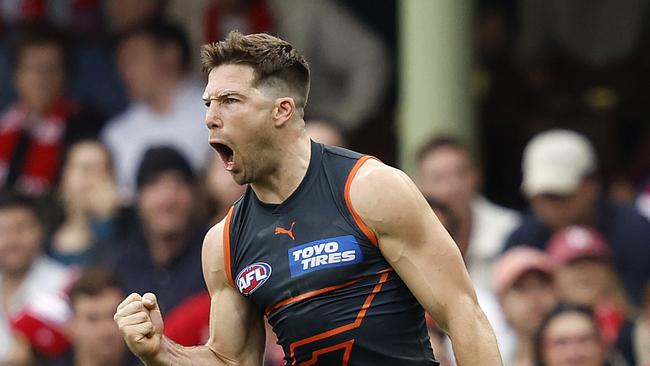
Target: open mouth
{"points": [[226, 154]]}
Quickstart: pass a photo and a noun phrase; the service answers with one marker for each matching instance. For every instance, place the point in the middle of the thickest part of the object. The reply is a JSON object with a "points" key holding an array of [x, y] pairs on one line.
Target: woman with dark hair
{"points": [[569, 336]]}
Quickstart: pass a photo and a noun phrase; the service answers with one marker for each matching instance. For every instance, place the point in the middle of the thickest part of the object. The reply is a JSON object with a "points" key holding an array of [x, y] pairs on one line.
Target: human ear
{"points": [[283, 110]]}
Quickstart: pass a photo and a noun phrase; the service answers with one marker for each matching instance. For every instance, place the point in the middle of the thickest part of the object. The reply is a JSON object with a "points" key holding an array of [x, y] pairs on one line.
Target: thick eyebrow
{"points": [[222, 95]]}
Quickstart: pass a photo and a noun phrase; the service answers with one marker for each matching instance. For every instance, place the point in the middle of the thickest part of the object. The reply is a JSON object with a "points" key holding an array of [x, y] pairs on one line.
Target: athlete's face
{"points": [[571, 339], [239, 118]]}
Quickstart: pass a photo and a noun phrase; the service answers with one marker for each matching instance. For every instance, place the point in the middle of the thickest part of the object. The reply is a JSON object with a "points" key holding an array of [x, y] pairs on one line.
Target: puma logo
{"points": [[289, 232]]}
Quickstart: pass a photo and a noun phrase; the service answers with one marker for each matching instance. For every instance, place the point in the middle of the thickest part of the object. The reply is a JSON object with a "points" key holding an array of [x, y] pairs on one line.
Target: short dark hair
{"points": [[270, 57], [40, 33], [10, 199], [159, 159], [163, 33], [560, 309], [440, 142], [92, 282]]}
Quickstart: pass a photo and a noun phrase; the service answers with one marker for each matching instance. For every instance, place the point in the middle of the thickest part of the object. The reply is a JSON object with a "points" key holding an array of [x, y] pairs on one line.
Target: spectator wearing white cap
{"points": [[560, 180]]}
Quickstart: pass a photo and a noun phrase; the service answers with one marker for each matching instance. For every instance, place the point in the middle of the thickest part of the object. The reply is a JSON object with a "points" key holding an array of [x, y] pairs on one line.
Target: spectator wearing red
{"points": [[585, 276], [94, 337], [43, 121], [32, 305]]}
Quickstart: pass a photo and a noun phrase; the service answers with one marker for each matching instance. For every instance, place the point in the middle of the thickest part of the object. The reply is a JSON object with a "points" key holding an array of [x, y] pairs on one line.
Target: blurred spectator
{"points": [[448, 220], [38, 127], [166, 106], [349, 62], [569, 336], [561, 182], [641, 337], [163, 255], [221, 189], [94, 336], [439, 341], [325, 133], [447, 173], [642, 202], [90, 201], [523, 282], [31, 283], [592, 33], [586, 276], [123, 15]]}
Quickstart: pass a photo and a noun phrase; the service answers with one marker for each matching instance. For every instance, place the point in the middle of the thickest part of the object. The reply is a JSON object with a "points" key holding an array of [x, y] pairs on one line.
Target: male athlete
{"points": [[339, 251]]}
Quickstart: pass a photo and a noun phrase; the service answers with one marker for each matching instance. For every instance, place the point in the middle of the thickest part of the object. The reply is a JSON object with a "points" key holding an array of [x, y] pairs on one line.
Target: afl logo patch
{"points": [[253, 277]]}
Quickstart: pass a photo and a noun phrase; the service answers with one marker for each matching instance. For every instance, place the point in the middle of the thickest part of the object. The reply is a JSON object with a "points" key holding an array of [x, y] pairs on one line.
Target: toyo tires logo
{"points": [[253, 277]]}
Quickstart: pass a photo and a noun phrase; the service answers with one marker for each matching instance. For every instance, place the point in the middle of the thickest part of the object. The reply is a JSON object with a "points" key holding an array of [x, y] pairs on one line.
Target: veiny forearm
{"points": [[472, 338], [174, 354]]}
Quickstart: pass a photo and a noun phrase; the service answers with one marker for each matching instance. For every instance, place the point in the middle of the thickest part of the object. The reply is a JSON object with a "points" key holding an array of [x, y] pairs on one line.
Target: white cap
{"points": [[556, 161]]}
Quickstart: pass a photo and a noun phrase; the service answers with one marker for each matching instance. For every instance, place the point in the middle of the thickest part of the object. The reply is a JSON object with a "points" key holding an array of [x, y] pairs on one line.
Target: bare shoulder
{"points": [[213, 242], [212, 258], [381, 194]]}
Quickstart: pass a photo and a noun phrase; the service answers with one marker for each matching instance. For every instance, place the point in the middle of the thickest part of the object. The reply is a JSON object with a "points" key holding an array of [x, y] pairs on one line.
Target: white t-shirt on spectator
{"points": [[491, 224], [129, 135]]}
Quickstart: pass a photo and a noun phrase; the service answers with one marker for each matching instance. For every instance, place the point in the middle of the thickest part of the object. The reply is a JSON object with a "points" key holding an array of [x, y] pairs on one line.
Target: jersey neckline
{"points": [[314, 162]]}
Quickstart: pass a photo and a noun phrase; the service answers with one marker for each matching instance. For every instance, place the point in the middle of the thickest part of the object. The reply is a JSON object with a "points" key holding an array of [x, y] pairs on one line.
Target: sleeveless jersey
{"points": [[313, 268]]}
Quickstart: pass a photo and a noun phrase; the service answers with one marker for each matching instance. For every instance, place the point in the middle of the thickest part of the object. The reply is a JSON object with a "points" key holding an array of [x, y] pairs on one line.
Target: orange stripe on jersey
{"points": [[348, 183], [343, 328], [345, 346], [307, 295], [310, 294], [226, 246]]}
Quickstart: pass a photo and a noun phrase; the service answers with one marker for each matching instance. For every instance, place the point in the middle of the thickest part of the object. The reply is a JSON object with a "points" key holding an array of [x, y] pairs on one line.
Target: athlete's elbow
{"points": [[464, 312]]}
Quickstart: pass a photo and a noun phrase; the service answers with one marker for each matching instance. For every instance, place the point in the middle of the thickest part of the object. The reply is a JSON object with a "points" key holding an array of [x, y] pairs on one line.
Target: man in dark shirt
{"points": [[562, 185], [164, 250]]}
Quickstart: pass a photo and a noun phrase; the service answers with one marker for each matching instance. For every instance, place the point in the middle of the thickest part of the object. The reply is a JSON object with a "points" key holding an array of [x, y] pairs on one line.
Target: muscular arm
{"points": [[421, 251], [236, 330]]}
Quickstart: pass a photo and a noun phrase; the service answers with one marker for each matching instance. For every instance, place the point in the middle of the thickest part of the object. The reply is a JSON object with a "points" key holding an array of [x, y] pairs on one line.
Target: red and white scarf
{"points": [[41, 164]]}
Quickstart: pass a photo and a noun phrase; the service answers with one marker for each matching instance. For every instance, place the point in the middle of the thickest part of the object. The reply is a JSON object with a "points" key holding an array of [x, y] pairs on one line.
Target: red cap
{"points": [[515, 263], [575, 242]]}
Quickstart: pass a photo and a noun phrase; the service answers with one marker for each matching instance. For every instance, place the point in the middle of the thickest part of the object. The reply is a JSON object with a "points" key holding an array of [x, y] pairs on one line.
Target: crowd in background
{"points": [[108, 185]]}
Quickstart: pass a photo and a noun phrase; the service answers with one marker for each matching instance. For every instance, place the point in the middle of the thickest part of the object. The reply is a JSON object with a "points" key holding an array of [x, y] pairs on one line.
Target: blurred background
{"points": [[526, 125]]}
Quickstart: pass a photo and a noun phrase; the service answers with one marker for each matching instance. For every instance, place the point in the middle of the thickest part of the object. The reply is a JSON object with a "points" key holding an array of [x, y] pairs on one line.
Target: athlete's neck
{"points": [[291, 168]]}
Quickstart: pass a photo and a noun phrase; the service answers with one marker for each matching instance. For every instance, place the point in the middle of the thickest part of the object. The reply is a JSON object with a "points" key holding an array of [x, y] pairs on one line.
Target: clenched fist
{"points": [[141, 324]]}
